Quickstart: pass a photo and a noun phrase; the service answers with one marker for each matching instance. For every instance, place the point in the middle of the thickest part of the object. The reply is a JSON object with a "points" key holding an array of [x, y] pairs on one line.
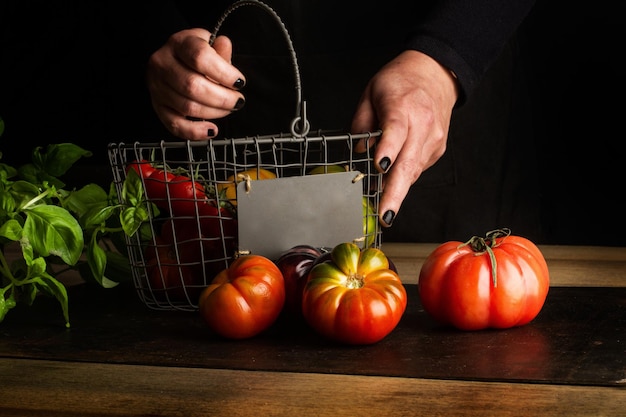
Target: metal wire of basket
{"points": [[169, 274]]}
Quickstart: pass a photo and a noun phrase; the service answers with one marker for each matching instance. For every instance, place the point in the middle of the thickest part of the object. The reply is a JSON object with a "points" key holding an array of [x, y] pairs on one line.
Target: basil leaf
{"points": [[6, 304], [7, 203], [132, 218], [12, 230], [51, 286], [58, 158], [132, 189], [52, 230], [97, 260], [88, 198]]}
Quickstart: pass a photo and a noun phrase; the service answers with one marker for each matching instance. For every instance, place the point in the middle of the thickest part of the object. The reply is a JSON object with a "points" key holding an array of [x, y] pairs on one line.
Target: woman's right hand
{"points": [[191, 83]]}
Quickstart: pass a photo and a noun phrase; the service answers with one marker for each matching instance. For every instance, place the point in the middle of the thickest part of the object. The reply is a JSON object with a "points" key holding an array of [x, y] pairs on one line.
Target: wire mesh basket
{"points": [[194, 228]]}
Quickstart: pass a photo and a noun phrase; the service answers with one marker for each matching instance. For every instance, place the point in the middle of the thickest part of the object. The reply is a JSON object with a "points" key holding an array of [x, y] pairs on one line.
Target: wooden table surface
{"points": [[122, 359]]}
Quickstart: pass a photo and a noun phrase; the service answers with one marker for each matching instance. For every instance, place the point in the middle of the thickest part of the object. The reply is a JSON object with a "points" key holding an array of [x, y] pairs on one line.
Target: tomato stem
{"points": [[481, 245], [354, 281]]}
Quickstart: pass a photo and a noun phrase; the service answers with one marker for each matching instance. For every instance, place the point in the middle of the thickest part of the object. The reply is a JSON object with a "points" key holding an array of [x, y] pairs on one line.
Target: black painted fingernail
{"points": [[239, 104], [210, 133], [239, 83], [389, 216], [385, 163]]}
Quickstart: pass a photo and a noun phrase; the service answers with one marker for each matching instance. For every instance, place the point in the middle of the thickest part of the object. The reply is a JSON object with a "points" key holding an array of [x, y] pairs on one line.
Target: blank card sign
{"points": [[321, 210]]}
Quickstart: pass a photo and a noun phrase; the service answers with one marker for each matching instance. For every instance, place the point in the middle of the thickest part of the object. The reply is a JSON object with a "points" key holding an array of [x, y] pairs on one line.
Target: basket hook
{"points": [[299, 125]]}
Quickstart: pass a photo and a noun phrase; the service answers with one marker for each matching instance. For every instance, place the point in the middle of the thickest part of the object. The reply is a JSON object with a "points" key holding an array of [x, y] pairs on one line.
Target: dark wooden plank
{"points": [[578, 338], [34, 388]]}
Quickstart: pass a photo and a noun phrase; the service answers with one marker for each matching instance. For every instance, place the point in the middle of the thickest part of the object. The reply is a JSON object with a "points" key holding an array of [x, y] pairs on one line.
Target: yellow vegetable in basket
{"points": [[228, 191], [327, 169]]}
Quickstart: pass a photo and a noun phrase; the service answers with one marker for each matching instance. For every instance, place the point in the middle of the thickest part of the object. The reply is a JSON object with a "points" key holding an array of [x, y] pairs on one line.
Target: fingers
{"points": [[405, 165], [186, 127], [411, 100], [192, 83], [411, 143], [398, 156], [214, 62]]}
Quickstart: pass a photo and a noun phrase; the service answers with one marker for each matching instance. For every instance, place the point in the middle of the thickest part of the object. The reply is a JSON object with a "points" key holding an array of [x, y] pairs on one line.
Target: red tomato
{"points": [[354, 297], [500, 281], [244, 299], [155, 187], [154, 180], [203, 243], [178, 194], [143, 167], [185, 195], [169, 279]]}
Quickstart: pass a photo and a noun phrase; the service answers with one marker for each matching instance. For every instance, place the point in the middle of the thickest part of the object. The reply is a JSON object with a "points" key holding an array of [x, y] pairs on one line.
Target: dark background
{"points": [[74, 73]]}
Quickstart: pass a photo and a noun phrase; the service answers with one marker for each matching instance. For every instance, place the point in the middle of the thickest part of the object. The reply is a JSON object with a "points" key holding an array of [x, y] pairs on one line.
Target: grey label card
{"points": [[320, 210]]}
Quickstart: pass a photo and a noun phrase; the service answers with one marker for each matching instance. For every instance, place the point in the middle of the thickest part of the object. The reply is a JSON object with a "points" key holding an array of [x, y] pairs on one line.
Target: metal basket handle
{"points": [[299, 125]]}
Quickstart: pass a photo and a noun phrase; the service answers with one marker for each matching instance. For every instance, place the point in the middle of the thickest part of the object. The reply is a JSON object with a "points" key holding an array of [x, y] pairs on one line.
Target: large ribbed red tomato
{"points": [[499, 281]]}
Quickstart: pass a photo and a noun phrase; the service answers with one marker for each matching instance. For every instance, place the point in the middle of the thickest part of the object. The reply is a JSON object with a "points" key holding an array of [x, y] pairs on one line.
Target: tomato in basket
{"points": [[229, 190], [154, 180], [204, 240], [142, 167], [167, 278], [184, 193]]}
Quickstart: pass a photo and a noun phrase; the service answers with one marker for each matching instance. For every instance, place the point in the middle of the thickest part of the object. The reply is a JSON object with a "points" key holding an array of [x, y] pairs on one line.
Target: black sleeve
{"points": [[467, 36]]}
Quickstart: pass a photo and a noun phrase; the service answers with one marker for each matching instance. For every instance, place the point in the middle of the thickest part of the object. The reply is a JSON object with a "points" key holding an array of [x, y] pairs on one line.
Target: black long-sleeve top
{"points": [[465, 36]]}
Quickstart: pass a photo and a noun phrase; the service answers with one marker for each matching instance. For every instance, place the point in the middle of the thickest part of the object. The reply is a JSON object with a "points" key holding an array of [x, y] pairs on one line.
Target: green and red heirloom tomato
{"points": [[244, 299], [499, 281], [353, 297], [295, 264]]}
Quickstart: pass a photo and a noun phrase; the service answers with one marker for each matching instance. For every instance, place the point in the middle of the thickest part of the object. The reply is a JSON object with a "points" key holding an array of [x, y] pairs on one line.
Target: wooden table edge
{"points": [[42, 387], [569, 266]]}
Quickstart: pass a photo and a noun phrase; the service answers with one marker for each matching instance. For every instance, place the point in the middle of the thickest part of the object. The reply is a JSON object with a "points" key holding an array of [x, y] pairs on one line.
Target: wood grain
{"points": [[48, 388], [90, 387]]}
